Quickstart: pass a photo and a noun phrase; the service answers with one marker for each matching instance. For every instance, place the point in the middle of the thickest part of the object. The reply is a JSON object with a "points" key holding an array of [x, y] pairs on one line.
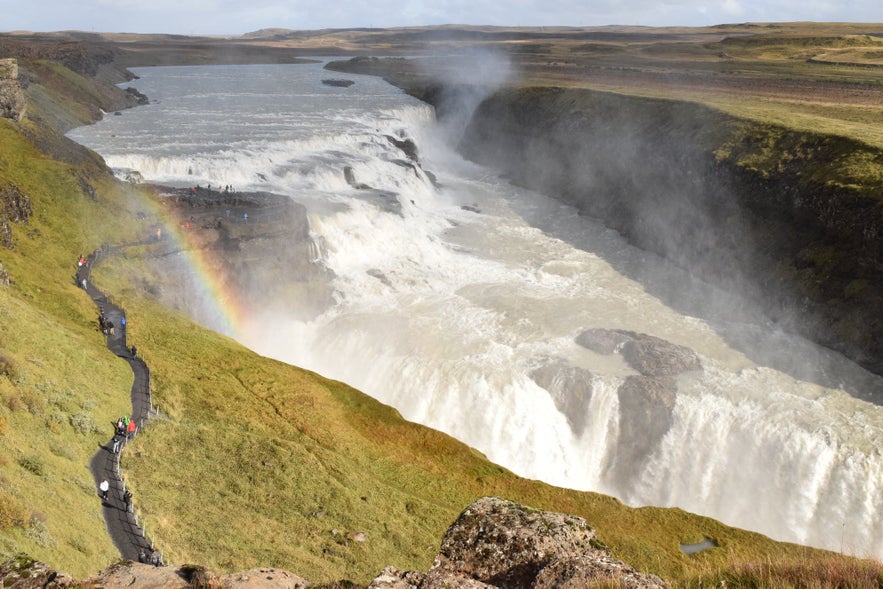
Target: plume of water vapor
{"points": [[471, 77]]}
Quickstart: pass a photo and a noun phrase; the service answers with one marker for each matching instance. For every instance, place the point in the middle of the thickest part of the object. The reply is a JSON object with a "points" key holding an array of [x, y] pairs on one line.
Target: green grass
{"points": [[58, 392]]}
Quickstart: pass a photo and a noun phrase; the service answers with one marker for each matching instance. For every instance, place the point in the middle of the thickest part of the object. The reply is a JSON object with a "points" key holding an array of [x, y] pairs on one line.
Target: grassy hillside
{"points": [[254, 462], [58, 391]]}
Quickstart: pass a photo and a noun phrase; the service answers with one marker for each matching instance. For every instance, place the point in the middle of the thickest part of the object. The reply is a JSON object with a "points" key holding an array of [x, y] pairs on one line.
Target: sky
{"points": [[234, 17]]}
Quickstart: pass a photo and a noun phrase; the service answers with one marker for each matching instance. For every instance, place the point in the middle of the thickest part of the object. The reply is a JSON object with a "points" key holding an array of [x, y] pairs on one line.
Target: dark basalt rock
{"points": [[602, 341], [406, 145], [646, 401], [338, 83], [649, 355], [652, 356], [138, 97], [237, 229], [646, 405], [571, 390]]}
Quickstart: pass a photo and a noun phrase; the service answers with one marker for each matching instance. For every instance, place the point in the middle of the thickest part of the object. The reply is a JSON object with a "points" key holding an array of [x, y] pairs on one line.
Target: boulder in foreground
{"points": [[499, 543]]}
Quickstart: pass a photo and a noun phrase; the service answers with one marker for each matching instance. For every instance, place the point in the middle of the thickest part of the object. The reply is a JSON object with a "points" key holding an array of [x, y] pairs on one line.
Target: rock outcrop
{"points": [[499, 543], [15, 207], [571, 390], [649, 355], [236, 233], [647, 400], [23, 572], [142, 576], [12, 99]]}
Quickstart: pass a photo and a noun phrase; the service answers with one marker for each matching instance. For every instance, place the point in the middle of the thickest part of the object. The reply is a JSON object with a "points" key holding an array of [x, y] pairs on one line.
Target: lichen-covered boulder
{"points": [[597, 569], [502, 543], [23, 572]]}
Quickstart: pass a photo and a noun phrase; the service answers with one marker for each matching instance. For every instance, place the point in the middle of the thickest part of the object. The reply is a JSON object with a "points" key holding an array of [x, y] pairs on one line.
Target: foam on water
{"points": [[447, 313]]}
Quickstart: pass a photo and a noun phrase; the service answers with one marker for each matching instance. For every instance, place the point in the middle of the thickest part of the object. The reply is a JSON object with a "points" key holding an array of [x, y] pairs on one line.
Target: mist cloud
{"points": [[478, 74]]}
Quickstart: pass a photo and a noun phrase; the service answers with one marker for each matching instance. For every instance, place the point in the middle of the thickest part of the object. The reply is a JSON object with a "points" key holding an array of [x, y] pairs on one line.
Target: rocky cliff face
{"points": [[236, 234], [15, 207], [12, 99], [755, 209]]}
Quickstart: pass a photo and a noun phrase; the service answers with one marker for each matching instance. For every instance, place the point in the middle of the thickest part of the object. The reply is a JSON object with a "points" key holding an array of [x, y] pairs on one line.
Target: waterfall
{"points": [[458, 299]]}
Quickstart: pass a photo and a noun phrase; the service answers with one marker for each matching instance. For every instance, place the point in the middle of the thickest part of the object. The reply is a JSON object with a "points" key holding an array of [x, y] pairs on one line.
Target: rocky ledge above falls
{"points": [[256, 245]]}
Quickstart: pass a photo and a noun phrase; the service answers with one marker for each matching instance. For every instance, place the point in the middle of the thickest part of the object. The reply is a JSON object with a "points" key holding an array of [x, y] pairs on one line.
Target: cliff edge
{"points": [[783, 217]]}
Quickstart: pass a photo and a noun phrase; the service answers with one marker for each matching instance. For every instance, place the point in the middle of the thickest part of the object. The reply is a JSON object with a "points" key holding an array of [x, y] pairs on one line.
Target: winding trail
{"points": [[122, 523]]}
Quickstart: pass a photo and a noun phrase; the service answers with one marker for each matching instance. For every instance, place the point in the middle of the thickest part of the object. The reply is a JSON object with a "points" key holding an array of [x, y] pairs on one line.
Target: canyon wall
{"points": [[791, 220]]}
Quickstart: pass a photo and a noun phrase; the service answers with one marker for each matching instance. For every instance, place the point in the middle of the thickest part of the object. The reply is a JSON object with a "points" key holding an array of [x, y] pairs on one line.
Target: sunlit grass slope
{"points": [[59, 388], [253, 462]]}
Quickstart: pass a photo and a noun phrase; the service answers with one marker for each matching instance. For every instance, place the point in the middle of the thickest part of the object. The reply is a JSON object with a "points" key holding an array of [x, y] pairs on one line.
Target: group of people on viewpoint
{"points": [[125, 431]]}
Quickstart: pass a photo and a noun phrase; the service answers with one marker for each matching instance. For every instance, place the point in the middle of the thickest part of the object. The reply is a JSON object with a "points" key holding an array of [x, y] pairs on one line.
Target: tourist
{"points": [[117, 440], [127, 499], [104, 487], [155, 558], [130, 429]]}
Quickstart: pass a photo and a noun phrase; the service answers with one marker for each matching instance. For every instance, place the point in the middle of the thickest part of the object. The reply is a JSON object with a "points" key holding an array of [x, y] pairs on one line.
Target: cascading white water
{"points": [[449, 303]]}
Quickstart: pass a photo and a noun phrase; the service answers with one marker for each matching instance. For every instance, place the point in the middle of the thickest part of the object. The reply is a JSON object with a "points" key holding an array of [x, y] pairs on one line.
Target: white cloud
{"points": [[236, 16], [732, 8]]}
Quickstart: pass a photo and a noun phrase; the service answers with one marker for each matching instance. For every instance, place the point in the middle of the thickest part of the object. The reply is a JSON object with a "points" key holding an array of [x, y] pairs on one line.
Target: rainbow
{"points": [[221, 302]]}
